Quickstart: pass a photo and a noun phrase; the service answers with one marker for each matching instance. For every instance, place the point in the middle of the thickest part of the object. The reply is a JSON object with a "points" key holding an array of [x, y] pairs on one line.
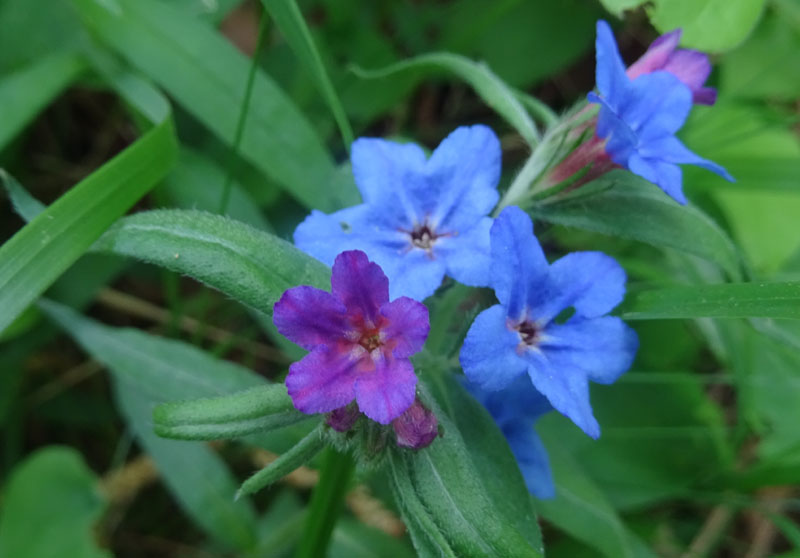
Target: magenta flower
{"points": [[690, 66], [360, 342]]}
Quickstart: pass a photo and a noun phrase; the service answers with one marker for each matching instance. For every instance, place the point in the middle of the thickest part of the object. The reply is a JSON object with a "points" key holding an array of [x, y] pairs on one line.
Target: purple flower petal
{"points": [[656, 56], [360, 285], [323, 380], [690, 66], [383, 394], [407, 326], [310, 317]]}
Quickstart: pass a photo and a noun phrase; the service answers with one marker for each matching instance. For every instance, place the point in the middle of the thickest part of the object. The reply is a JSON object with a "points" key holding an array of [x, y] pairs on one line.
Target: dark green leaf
{"points": [[249, 265], [50, 507], [230, 416], [735, 300], [622, 204]]}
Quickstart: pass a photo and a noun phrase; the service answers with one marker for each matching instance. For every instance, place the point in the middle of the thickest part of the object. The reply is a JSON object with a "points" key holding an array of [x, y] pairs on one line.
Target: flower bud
{"points": [[343, 418], [417, 427]]}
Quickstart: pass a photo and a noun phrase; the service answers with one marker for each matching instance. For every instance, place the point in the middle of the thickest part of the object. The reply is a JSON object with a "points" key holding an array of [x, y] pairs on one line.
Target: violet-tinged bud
{"points": [[417, 427], [343, 418]]}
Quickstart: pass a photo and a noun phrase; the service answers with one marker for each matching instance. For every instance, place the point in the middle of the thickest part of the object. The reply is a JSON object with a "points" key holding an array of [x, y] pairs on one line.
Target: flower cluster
{"points": [[424, 218]]}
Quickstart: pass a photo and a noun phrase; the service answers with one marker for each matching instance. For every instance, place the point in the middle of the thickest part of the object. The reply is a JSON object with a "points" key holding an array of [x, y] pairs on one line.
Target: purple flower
{"points": [[360, 342], [690, 66], [515, 409], [522, 335], [422, 218], [639, 119]]}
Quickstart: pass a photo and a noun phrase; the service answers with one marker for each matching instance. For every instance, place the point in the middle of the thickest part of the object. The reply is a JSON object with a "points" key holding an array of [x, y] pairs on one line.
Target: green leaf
{"points": [[50, 507], [734, 300], [622, 204], [197, 182], [161, 368], [246, 264], [486, 84], [230, 416], [206, 75], [36, 255], [288, 461], [291, 23], [24, 204], [445, 500], [708, 25], [581, 509], [352, 539], [25, 93], [196, 476]]}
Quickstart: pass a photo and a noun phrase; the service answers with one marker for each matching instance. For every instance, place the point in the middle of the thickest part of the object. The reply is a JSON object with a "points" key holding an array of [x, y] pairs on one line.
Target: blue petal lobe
{"points": [[666, 176], [468, 255], [610, 70], [382, 167], [518, 262], [532, 459], [489, 357]]}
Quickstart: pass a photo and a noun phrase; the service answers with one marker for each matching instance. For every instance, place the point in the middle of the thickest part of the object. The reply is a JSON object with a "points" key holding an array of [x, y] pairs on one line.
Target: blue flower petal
{"points": [[518, 262], [610, 70], [489, 357], [324, 236], [467, 255], [415, 274], [462, 176], [383, 168], [600, 348], [566, 389], [672, 150], [531, 458], [666, 176], [656, 105], [592, 282]]}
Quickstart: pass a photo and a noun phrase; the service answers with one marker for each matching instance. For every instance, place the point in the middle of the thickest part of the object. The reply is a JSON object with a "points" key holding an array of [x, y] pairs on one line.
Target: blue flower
{"points": [[523, 335], [515, 410], [640, 117], [422, 218]]}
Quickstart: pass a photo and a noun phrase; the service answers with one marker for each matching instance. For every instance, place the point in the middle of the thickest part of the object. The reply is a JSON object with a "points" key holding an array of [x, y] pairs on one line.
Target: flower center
{"points": [[370, 340], [423, 237], [528, 332]]}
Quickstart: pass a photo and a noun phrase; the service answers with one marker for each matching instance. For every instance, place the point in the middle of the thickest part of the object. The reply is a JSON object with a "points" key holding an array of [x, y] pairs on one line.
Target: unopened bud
{"points": [[417, 427], [343, 418]]}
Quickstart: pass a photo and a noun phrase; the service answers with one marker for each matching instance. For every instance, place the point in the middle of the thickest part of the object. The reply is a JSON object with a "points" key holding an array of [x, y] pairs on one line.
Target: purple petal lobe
{"points": [[417, 427], [360, 285], [383, 394], [656, 56], [323, 380], [310, 317], [407, 326]]}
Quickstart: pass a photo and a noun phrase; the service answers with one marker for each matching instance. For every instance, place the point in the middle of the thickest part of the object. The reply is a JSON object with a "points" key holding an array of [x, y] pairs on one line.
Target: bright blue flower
{"points": [[640, 117], [422, 218], [522, 335], [515, 410]]}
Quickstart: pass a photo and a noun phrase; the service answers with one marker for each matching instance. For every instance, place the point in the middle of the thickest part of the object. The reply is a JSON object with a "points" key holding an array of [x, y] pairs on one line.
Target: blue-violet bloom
{"points": [[360, 342], [522, 335], [422, 218], [639, 119], [515, 409], [692, 67]]}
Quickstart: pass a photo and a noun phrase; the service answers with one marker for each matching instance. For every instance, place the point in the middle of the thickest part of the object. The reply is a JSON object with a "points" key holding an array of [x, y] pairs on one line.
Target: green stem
{"points": [[326, 503], [248, 93]]}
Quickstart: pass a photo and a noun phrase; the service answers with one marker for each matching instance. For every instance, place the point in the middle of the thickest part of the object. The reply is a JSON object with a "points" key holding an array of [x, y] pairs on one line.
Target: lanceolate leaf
{"points": [[35, 257], [231, 416], [207, 76], [491, 88], [622, 204], [25, 93], [446, 501], [249, 265], [733, 300], [291, 23]]}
